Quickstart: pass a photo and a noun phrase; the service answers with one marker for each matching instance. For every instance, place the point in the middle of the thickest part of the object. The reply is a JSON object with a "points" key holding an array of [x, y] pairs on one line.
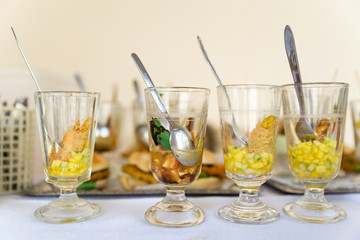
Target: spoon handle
{"points": [[27, 63], [208, 61], [236, 129], [150, 84], [80, 82], [294, 65]]}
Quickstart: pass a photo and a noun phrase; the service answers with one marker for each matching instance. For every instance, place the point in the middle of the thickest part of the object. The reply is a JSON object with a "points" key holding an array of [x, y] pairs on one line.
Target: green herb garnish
{"points": [[203, 175], [357, 168], [159, 134]]}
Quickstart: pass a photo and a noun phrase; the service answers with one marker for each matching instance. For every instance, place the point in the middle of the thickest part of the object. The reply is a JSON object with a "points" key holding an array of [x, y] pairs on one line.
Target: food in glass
{"points": [[353, 162], [73, 157], [67, 122], [253, 110], [167, 169], [187, 107], [315, 157], [254, 159]]}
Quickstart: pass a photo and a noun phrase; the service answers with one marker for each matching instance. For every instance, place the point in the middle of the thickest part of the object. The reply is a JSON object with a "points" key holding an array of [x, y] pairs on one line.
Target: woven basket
{"points": [[17, 128]]}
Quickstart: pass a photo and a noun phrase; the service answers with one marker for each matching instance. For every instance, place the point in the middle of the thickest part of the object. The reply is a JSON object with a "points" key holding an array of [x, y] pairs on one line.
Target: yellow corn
{"points": [[78, 164], [241, 161], [321, 161]]}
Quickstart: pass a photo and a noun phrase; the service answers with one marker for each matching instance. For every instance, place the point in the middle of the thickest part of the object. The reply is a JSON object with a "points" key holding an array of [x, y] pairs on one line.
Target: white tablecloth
{"points": [[123, 218]]}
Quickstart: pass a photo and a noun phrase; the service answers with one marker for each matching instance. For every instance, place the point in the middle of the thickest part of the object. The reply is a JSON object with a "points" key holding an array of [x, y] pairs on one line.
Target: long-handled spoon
{"points": [[38, 87], [26, 62], [80, 82], [303, 129], [181, 142], [234, 126]]}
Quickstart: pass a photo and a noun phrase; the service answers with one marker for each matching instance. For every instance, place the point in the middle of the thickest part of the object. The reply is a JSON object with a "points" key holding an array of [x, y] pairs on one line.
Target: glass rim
{"points": [[179, 88], [316, 84], [39, 93], [248, 86]]}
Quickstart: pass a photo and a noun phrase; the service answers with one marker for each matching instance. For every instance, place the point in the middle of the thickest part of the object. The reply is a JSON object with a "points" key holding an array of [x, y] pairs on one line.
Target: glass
{"points": [[67, 122], [355, 113], [108, 127], [316, 158], [187, 107], [139, 119], [255, 110]]}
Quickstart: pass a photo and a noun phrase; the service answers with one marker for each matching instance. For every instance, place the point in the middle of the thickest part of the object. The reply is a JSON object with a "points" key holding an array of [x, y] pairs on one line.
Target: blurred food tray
{"points": [[115, 189], [344, 183]]}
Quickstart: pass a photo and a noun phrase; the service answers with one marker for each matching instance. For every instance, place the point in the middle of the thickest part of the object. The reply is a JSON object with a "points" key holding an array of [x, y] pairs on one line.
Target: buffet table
{"points": [[123, 218]]}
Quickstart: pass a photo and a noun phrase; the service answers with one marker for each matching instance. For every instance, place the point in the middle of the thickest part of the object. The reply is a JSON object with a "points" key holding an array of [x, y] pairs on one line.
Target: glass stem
{"points": [[175, 195], [314, 194], [248, 197], [68, 194]]}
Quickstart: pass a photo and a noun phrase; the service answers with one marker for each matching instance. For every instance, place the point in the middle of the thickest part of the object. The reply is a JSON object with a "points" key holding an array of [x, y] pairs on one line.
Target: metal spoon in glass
{"points": [[181, 142], [141, 130], [38, 87], [303, 129], [234, 126]]}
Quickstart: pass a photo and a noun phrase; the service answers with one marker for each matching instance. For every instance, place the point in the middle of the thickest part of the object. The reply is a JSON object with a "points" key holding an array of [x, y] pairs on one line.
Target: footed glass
{"points": [[187, 107], [355, 113], [315, 155], [253, 112], [67, 122]]}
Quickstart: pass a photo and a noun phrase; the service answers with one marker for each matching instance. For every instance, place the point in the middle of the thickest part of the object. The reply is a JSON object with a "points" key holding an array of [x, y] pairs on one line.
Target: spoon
{"points": [[303, 129], [80, 82], [141, 130], [181, 142], [41, 110], [234, 126]]}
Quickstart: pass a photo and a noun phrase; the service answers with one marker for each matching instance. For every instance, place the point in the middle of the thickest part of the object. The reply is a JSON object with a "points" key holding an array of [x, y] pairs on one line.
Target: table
{"points": [[123, 218]]}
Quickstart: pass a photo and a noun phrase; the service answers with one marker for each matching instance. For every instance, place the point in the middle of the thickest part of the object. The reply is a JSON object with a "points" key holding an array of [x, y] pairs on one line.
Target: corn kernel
{"points": [[320, 154], [71, 166], [64, 164], [78, 157], [320, 169], [237, 164], [257, 165]]}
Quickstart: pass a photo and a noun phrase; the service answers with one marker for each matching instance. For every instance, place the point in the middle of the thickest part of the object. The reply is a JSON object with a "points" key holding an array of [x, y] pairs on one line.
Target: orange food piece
{"points": [[74, 140], [193, 136], [170, 162], [261, 137], [322, 129]]}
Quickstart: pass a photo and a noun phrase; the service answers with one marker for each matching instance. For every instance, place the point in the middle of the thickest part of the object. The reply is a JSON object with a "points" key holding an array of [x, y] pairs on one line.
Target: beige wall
{"points": [[243, 38]]}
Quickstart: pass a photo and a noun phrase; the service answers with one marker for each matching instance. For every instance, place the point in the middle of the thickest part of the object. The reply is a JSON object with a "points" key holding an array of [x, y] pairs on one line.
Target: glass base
{"points": [[60, 211], [313, 212], [260, 214], [184, 214]]}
